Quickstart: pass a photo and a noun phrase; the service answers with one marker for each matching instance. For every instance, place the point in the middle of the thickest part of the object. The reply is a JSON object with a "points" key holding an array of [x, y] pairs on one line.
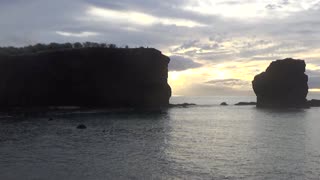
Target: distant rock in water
{"points": [[223, 104], [246, 103], [314, 103], [81, 126], [184, 105], [89, 77], [284, 84]]}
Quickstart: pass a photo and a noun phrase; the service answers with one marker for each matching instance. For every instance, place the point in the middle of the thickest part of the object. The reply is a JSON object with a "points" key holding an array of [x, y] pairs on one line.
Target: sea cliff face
{"points": [[85, 77], [283, 84]]}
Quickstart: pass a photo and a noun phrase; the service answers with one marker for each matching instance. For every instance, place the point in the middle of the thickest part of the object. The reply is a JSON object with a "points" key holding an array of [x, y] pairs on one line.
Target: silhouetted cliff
{"points": [[105, 77], [284, 84]]}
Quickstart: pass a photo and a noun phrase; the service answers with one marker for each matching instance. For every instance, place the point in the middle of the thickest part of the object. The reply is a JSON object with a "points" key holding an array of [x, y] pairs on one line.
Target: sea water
{"points": [[205, 141]]}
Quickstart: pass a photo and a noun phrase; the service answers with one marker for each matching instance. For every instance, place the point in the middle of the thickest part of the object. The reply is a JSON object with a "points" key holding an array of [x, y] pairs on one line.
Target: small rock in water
{"points": [[224, 104], [314, 103], [184, 105], [81, 126], [245, 103]]}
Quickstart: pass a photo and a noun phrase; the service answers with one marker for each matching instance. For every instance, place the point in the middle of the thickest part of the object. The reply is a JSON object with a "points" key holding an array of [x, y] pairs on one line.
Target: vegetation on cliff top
{"points": [[12, 51]]}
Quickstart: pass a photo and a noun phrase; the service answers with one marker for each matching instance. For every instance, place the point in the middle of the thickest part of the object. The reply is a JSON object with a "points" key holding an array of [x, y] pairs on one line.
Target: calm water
{"points": [[207, 141]]}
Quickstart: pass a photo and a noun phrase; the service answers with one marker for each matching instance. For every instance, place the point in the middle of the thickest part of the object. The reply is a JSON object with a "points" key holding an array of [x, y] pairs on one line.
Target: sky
{"points": [[216, 47]]}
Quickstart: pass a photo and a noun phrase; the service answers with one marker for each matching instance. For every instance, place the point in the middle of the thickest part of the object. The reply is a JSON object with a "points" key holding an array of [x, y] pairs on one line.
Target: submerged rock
{"points": [[284, 84]]}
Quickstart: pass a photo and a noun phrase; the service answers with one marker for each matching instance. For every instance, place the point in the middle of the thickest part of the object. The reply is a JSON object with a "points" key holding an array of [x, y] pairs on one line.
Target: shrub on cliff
{"points": [[53, 46]]}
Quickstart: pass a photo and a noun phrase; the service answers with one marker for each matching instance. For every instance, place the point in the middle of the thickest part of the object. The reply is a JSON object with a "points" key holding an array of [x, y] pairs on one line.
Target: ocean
{"points": [[205, 141]]}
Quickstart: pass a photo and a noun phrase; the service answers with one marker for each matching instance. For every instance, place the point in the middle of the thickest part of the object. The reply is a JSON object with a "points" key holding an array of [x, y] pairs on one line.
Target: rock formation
{"points": [[284, 84], [81, 126], [223, 104], [246, 103], [85, 77], [314, 103]]}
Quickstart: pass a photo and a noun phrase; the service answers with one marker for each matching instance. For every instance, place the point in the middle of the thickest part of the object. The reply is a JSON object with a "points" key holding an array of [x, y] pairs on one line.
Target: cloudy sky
{"points": [[216, 47]]}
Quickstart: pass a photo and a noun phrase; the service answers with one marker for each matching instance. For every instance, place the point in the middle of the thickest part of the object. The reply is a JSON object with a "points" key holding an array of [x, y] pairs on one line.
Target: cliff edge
{"points": [[283, 84], [104, 77]]}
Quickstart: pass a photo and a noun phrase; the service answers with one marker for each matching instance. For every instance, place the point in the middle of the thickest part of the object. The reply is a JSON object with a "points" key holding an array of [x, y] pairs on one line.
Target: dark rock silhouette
{"points": [[86, 77], [314, 103], [223, 104], [184, 105], [81, 126], [284, 84], [246, 103]]}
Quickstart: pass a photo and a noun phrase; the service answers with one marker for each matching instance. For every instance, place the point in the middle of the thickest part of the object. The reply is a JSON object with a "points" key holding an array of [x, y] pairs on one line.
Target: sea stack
{"points": [[283, 84], [86, 77]]}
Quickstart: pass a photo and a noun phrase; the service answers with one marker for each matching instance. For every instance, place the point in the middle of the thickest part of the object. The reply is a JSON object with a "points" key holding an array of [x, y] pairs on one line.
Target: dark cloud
{"points": [[275, 50], [278, 5], [217, 38], [179, 63], [209, 46], [314, 82], [29, 22], [314, 79], [285, 2], [273, 6], [186, 45]]}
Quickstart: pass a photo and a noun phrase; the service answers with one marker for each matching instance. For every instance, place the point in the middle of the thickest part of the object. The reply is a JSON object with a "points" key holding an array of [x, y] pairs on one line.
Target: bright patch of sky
{"points": [[248, 8], [138, 18], [80, 34]]}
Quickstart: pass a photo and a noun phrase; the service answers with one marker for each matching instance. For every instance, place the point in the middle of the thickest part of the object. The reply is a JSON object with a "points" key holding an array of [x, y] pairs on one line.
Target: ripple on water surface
{"points": [[199, 142]]}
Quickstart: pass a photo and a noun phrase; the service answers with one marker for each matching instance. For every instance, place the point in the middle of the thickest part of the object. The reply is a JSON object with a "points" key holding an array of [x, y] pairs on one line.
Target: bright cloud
{"points": [[138, 18], [80, 35]]}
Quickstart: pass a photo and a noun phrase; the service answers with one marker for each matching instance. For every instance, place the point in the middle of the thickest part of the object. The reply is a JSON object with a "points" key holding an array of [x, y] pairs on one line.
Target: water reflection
{"points": [[281, 110], [205, 142], [280, 143], [199, 142], [126, 144]]}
